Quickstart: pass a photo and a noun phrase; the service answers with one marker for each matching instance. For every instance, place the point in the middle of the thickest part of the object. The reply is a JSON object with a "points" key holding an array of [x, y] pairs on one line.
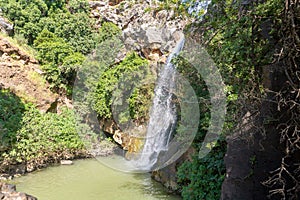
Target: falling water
{"points": [[163, 115]]}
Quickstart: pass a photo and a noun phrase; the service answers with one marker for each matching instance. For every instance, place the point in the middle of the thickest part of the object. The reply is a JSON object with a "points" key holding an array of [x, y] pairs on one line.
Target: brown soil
{"points": [[21, 74]]}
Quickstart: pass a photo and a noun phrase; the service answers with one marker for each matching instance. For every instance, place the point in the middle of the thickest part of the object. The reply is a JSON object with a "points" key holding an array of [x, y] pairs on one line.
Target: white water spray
{"points": [[163, 115]]}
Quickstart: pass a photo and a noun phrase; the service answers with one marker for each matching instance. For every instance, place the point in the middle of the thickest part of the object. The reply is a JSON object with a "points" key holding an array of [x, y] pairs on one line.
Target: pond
{"points": [[89, 179]]}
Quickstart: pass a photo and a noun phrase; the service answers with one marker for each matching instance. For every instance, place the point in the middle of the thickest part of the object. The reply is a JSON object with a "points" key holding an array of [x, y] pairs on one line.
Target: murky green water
{"points": [[90, 180]]}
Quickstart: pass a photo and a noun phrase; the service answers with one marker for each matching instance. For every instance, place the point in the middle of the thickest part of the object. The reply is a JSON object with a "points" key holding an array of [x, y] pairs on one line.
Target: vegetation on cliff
{"points": [[242, 37], [61, 33], [35, 139], [131, 69]]}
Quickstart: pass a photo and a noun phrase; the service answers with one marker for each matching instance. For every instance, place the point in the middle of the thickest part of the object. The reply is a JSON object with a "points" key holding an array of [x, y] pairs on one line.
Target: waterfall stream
{"points": [[163, 115]]}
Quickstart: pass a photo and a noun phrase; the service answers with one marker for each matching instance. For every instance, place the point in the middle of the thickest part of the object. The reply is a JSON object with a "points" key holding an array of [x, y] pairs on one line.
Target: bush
{"points": [[11, 113], [75, 29], [58, 59], [45, 137], [56, 34], [78, 6], [130, 68], [107, 31], [203, 178]]}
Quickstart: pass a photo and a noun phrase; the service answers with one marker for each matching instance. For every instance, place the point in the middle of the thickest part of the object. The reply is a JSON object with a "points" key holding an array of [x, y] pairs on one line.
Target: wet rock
{"points": [[108, 126], [167, 175], [8, 192], [8, 188]]}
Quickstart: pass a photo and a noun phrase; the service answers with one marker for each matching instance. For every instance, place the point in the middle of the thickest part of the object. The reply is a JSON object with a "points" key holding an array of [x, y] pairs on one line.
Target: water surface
{"points": [[90, 180]]}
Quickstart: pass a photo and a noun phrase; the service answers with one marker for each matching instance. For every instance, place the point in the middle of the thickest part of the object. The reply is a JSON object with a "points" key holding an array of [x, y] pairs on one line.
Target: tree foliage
{"points": [[34, 138], [103, 96], [239, 36], [45, 137], [11, 113], [70, 30], [203, 178], [58, 59]]}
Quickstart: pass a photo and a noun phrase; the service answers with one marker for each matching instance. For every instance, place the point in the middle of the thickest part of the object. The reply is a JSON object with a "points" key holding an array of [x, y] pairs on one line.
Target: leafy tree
{"points": [[107, 31], [132, 65], [11, 113], [203, 178], [232, 34], [78, 6], [76, 29], [72, 31], [25, 15], [55, 4], [45, 137], [58, 59]]}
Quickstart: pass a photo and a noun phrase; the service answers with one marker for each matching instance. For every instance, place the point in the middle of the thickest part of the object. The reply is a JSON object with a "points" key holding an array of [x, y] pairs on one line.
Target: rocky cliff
{"points": [[147, 30]]}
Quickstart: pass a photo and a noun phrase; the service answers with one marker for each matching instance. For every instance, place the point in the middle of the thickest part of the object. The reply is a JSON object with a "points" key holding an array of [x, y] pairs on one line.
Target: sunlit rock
{"points": [[66, 162]]}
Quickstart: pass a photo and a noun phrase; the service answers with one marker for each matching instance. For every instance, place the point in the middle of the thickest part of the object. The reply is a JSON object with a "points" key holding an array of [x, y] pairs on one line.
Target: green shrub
{"points": [[140, 102], [58, 59], [56, 32], [128, 70], [11, 114], [25, 15], [202, 178], [45, 136], [107, 31], [78, 6], [75, 29]]}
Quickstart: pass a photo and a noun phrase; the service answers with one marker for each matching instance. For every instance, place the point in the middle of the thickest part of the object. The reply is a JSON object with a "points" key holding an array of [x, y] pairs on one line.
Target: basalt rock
{"points": [[167, 175]]}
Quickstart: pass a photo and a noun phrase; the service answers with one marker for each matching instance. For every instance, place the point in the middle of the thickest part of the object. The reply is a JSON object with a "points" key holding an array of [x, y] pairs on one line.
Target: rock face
{"points": [[249, 160], [8, 192], [21, 74], [5, 26], [167, 175], [153, 34]]}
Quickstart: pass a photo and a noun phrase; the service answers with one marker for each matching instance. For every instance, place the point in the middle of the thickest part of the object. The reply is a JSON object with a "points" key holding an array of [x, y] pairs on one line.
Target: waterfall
{"points": [[163, 115]]}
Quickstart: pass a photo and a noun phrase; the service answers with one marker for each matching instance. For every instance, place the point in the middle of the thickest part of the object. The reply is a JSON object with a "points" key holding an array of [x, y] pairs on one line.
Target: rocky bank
{"points": [[9, 192]]}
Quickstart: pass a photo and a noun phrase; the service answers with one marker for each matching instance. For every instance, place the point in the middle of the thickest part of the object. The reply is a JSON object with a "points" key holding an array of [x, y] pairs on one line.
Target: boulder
{"points": [[9, 192], [95, 4], [6, 26], [66, 162], [167, 175]]}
